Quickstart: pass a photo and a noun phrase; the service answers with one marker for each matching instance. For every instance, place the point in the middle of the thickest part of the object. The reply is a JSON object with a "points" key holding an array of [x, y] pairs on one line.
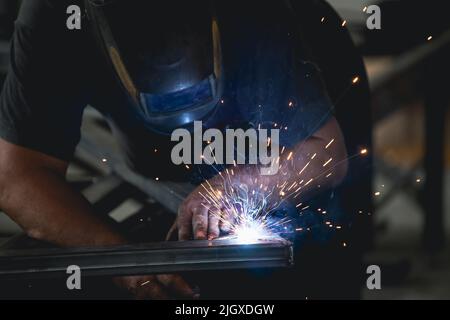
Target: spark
{"points": [[292, 185], [304, 168], [344, 23], [157, 179], [290, 156], [377, 193], [364, 151], [365, 9], [355, 80], [429, 38], [145, 283], [290, 104], [296, 192], [322, 20], [329, 144], [104, 160], [326, 163]]}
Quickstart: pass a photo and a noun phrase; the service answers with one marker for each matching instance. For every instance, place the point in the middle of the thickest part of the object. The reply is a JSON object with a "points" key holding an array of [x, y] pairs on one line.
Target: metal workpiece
{"points": [[154, 258]]}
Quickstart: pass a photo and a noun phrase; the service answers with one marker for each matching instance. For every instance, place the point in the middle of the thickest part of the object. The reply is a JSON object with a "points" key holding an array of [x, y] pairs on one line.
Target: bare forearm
{"points": [[310, 168], [315, 164], [48, 209]]}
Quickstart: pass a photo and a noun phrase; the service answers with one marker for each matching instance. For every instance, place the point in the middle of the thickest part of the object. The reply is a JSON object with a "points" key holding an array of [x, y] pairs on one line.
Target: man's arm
{"points": [[308, 161], [320, 160], [34, 193]]}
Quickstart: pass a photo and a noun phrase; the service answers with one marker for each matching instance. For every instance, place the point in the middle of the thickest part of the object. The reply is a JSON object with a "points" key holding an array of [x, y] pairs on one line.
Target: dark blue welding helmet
{"points": [[166, 56]]}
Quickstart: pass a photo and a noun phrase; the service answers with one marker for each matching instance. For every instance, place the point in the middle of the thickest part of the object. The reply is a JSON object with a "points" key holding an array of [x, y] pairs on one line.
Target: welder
{"points": [[151, 67]]}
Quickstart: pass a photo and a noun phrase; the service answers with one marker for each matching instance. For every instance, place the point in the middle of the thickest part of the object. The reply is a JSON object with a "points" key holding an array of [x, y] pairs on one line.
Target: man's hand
{"points": [[199, 220], [160, 287], [196, 219]]}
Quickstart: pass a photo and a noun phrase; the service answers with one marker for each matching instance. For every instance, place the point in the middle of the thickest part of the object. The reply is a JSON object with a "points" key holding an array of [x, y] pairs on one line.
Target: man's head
{"points": [[166, 57]]}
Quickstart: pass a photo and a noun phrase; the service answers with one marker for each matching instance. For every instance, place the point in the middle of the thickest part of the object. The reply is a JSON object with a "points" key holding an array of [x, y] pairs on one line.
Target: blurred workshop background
{"points": [[408, 68]]}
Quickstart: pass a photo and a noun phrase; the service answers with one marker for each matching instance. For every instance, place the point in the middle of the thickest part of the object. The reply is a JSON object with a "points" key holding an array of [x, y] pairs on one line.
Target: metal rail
{"points": [[155, 258]]}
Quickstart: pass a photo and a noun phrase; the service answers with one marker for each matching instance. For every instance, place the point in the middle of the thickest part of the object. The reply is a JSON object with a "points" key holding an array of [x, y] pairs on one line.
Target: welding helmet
{"points": [[166, 56]]}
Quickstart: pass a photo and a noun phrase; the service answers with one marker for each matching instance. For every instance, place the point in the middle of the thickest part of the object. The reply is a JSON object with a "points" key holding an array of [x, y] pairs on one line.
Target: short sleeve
{"points": [[43, 97]]}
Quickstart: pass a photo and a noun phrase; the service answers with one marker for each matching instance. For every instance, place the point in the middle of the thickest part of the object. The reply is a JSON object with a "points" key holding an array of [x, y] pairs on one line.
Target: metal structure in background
{"points": [[155, 258], [420, 74]]}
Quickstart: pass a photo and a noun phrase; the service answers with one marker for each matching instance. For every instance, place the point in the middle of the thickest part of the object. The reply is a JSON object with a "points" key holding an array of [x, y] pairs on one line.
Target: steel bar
{"points": [[155, 258]]}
